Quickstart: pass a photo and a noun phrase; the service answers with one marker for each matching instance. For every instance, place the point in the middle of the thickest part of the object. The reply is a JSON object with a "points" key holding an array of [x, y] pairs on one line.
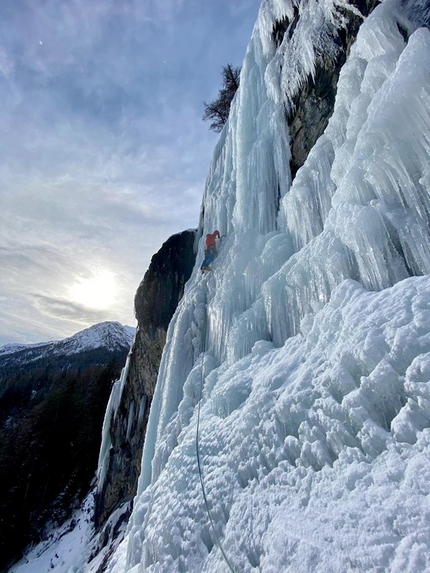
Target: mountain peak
{"points": [[109, 335]]}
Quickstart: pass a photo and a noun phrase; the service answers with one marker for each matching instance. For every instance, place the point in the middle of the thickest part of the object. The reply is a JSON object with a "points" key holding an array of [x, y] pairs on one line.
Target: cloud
{"points": [[27, 329], [104, 154], [61, 309], [6, 66]]}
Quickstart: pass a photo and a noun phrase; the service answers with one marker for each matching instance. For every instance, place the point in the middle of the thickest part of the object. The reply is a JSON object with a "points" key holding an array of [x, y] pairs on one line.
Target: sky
{"points": [[103, 151]]}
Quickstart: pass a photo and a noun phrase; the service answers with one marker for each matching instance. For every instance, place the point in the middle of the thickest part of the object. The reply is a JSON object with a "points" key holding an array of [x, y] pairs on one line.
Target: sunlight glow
{"points": [[97, 292]]}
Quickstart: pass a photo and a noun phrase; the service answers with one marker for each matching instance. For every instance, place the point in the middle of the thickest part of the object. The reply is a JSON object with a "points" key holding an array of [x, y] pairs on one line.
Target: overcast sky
{"points": [[103, 153]]}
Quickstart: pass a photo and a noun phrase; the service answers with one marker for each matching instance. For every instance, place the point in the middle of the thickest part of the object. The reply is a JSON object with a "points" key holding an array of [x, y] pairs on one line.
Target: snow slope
{"points": [[303, 360], [64, 547], [68, 548]]}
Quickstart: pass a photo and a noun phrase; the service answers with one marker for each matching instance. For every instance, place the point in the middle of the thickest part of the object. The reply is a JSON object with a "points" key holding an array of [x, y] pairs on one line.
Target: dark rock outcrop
{"points": [[314, 103], [156, 300]]}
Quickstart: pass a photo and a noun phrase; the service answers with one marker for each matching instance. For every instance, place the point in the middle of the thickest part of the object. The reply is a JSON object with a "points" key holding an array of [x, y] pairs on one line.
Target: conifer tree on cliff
{"points": [[217, 111]]}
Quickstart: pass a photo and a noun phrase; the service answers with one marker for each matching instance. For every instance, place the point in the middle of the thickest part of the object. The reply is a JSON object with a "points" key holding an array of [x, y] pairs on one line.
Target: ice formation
{"points": [[110, 415], [308, 347]]}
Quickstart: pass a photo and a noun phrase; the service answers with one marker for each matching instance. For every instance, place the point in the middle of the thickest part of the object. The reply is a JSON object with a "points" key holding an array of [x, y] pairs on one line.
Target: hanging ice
{"points": [[311, 338]]}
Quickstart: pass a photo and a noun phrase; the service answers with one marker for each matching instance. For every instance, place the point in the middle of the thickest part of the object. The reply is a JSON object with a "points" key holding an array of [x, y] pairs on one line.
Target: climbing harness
{"points": [[199, 462]]}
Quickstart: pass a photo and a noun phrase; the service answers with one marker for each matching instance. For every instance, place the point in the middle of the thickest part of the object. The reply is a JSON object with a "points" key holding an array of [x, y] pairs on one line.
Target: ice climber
{"points": [[210, 250]]}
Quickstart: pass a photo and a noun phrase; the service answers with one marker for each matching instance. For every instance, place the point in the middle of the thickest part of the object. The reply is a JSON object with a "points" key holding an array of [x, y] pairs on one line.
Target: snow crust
{"points": [[308, 347]]}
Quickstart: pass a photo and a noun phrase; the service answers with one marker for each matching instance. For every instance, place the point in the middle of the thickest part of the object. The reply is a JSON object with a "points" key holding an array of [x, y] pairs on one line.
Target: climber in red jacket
{"points": [[210, 251], [211, 239]]}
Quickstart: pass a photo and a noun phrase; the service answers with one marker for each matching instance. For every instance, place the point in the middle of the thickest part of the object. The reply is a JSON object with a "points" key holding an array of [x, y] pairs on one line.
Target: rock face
{"points": [[155, 303], [313, 105]]}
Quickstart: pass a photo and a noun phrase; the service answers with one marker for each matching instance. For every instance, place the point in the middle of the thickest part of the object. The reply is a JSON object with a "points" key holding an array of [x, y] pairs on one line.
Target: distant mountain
{"points": [[111, 336], [53, 396]]}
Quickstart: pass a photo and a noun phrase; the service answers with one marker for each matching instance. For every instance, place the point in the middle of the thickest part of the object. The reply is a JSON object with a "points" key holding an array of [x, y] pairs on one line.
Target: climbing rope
{"points": [[199, 463]]}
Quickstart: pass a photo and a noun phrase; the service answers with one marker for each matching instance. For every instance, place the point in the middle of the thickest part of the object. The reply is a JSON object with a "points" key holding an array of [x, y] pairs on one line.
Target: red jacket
{"points": [[211, 239]]}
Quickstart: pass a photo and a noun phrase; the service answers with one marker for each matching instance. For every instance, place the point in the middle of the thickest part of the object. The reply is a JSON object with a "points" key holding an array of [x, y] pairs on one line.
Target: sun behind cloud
{"points": [[97, 292]]}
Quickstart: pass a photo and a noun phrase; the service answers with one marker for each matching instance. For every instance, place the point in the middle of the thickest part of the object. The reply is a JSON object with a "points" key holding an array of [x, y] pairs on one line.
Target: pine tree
{"points": [[217, 111]]}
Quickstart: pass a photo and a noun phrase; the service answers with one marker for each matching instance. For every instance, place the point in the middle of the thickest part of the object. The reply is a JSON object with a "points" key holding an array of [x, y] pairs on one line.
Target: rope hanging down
{"points": [[199, 463]]}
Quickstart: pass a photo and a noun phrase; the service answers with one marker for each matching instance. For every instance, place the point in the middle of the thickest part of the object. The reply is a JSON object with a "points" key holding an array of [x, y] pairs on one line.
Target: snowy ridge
{"points": [[110, 335], [14, 347], [309, 344]]}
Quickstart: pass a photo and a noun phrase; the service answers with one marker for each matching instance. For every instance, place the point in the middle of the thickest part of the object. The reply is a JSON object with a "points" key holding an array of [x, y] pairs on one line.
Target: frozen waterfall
{"points": [[309, 344]]}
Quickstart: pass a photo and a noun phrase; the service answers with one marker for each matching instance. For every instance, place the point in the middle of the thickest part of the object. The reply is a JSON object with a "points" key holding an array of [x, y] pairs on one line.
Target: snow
{"points": [[15, 347], [305, 355], [308, 347], [65, 549], [111, 335], [69, 548]]}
